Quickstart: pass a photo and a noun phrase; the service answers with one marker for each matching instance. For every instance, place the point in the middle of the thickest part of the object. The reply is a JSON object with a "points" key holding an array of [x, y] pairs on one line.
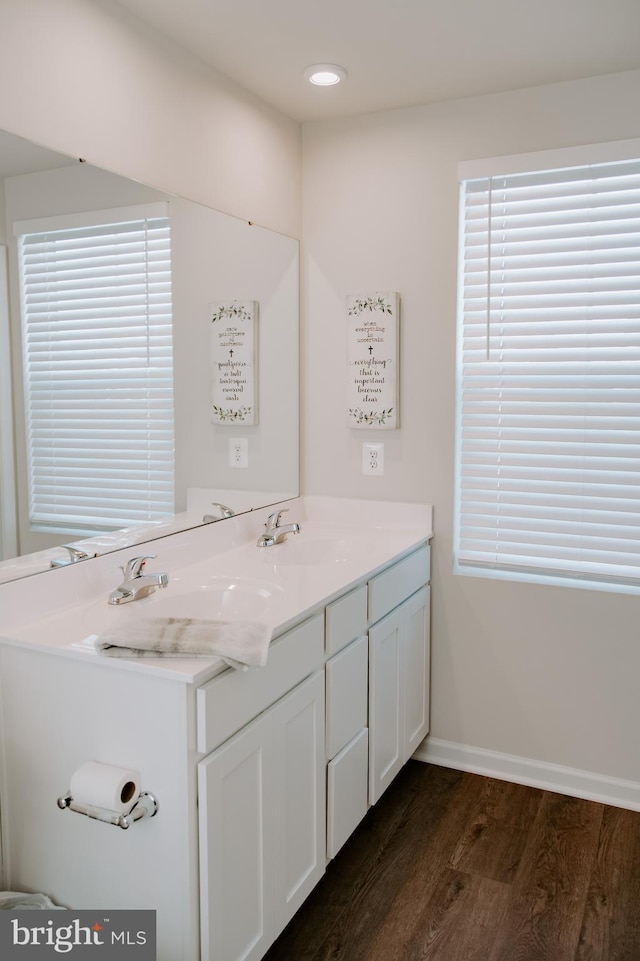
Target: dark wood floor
{"points": [[457, 867]]}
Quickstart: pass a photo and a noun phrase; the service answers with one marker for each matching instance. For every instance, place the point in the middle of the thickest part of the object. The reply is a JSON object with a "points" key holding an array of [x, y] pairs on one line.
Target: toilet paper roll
{"points": [[105, 786]]}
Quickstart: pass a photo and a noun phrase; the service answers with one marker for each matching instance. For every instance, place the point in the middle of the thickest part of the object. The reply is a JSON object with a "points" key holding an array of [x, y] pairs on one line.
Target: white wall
{"points": [[85, 78], [547, 673]]}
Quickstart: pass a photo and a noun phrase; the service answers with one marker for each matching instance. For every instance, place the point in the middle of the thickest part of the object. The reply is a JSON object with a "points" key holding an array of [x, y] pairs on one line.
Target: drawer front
{"points": [[347, 695], [346, 619], [230, 700], [394, 585], [347, 800]]}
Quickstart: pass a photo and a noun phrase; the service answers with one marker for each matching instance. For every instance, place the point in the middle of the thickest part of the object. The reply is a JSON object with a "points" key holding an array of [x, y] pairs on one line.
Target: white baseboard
{"points": [[522, 770]]}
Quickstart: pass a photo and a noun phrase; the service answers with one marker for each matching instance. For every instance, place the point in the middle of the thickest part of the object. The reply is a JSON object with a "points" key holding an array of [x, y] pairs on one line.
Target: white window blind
{"points": [[548, 414], [97, 352]]}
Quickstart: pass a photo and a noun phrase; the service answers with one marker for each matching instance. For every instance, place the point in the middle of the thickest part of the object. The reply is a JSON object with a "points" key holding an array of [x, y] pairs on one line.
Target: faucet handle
{"points": [[134, 565], [273, 520]]}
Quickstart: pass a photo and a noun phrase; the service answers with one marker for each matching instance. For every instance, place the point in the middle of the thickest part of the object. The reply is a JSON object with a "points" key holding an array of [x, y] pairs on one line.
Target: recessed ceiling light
{"points": [[325, 74]]}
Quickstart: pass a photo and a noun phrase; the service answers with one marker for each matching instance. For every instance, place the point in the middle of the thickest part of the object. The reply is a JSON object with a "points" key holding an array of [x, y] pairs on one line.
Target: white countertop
{"points": [[342, 542]]}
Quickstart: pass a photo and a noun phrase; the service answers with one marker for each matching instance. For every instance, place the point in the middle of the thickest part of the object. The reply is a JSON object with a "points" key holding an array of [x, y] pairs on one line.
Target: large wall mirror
{"points": [[216, 260]]}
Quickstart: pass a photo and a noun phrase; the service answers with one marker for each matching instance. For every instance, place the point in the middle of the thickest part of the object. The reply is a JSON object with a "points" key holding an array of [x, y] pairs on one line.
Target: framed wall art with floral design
{"points": [[373, 382], [234, 362]]}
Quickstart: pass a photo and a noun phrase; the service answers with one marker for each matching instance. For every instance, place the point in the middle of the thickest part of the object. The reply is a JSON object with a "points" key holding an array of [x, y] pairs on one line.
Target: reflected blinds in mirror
{"points": [[97, 348]]}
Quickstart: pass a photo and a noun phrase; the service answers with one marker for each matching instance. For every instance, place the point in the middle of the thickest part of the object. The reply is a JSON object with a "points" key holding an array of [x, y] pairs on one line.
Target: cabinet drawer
{"points": [[346, 619], [347, 694], [347, 800], [390, 588], [230, 700]]}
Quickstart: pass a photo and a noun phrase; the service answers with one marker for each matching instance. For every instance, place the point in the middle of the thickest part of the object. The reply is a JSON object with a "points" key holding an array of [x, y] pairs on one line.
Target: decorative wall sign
{"points": [[233, 352], [372, 358]]}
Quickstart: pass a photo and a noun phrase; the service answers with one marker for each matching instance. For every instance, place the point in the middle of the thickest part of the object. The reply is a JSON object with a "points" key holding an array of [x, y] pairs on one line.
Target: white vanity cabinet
{"points": [[261, 776], [267, 737], [399, 667], [261, 797], [347, 716], [398, 671], [377, 688], [57, 713]]}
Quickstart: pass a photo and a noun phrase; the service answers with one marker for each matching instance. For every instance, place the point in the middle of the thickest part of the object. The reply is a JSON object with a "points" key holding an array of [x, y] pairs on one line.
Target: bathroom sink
{"points": [[224, 599], [217, 598], [318, 547], [313, 552]]}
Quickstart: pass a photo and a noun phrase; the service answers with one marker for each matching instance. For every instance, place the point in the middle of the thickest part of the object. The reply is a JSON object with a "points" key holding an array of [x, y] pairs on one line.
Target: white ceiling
{"points": [[398, 52]]}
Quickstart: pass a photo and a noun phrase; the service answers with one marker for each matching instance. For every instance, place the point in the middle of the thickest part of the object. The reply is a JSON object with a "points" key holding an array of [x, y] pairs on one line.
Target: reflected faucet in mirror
{"points": [[221, 513], [74, 555]]}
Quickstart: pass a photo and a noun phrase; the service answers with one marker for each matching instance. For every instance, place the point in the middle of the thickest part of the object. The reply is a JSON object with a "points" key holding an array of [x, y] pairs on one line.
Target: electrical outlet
{"points": [[238, 452], [373, 459]]}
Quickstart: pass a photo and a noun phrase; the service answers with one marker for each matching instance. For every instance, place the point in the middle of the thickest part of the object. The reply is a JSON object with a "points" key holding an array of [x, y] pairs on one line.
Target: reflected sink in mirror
{"points": [[217, 598]]}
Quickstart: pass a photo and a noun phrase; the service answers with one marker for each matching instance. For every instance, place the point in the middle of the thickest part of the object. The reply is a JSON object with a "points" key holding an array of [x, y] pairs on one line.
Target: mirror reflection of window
{"points": [[214, 256], [98, 361]]}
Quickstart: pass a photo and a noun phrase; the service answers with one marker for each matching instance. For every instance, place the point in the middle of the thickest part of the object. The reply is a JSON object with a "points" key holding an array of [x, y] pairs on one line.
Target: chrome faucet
{"points": [[222, 513], [274, 531], [136, 584]]}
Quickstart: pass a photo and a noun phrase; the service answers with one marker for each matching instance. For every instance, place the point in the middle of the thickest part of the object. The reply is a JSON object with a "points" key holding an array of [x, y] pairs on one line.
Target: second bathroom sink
{"points": [[217, 598]]}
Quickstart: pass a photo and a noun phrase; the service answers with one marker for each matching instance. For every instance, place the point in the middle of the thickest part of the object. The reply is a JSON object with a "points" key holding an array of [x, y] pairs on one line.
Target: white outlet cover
{"points": [[373, 459], [238, 452]]}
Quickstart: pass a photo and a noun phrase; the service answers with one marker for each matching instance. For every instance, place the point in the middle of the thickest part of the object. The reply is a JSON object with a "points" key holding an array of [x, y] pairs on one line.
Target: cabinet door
{"points": [[347, 695], [386, 730], [347, 791], [398, 689], [416, 667], [262, 815], [236, 813], [300, 796]]}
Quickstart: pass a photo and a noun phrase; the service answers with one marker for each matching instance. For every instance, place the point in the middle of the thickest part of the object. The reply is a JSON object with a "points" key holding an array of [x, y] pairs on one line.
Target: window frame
{"points": [[514, 165]]}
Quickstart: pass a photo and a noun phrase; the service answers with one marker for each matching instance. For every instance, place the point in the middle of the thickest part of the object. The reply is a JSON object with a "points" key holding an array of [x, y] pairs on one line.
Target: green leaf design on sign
{"points": [[370, 417], [231, 312], [228, 415], [371, 304]]}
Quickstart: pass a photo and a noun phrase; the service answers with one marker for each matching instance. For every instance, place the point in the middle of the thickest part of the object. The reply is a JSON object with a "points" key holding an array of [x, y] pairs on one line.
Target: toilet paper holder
{"points": [[145, 806]]}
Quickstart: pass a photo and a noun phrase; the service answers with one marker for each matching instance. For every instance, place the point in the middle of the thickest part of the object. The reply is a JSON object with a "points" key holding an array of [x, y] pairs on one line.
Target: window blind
{"points": [[548, 411], [97, 352]]}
